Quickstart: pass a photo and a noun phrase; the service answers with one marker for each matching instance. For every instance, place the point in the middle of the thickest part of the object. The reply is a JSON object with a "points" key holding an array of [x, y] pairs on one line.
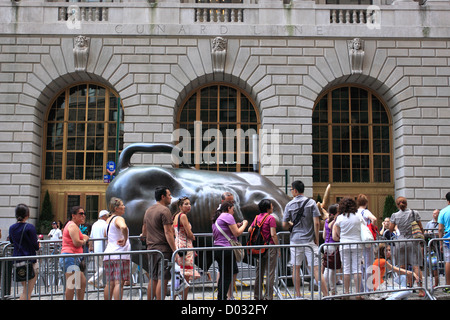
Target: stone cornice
{"points": [[268, 19]]}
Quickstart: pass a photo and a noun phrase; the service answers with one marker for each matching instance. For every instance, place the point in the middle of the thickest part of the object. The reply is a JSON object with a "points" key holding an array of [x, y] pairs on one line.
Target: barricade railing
{"points": [[52, 283], [435, 260], [362, 265], [250, 281], [286, 275], [56, 275]]}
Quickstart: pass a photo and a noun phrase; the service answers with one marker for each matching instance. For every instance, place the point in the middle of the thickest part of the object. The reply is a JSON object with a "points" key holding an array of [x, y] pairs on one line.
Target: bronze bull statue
{"points": [[135, 185]]}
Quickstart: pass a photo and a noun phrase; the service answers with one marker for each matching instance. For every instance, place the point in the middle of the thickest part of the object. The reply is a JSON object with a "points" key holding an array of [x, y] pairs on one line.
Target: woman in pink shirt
{"points": [[73, 242], [268, 261]]}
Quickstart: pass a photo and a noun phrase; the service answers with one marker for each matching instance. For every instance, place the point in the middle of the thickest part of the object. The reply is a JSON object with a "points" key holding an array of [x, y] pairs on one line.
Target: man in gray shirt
{"points": [[302, 217]]}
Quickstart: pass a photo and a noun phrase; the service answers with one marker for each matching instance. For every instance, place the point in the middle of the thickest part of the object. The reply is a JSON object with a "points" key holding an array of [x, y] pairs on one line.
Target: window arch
{"points": [[81, 133], [352, 137], [225, 120]]}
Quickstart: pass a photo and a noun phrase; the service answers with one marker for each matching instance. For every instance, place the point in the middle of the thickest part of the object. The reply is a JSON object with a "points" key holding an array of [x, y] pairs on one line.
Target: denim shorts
{"points": [[68, 263]]}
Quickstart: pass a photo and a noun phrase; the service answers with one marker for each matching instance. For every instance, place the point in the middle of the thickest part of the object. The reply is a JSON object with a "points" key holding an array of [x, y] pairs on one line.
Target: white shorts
{"points": [[310, 250], [351, 259], [446, 253]]}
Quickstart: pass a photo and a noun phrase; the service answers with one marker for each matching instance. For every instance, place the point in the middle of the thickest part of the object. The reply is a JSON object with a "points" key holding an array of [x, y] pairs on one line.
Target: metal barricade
{"points": [[52, 281], [5, 269], [249, 273], [286, 268], [362, 265], [436, 262], [55, 278]]}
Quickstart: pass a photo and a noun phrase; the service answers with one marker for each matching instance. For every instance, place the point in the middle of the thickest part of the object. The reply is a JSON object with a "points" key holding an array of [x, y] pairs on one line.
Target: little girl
{"points": [[379, 270]]}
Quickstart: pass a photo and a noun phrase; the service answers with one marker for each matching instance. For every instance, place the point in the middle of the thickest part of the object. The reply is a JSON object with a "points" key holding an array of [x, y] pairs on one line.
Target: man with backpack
{"points": [[302, 217], [263, 231]]}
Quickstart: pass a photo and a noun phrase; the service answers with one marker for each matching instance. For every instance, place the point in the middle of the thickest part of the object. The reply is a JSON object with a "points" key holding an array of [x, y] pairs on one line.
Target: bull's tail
{"points": [[127, 153]]}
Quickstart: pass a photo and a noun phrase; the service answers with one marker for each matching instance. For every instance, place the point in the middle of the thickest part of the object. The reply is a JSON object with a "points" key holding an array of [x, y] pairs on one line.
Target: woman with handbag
{"points": [[369, 220], [331, 257], [407, 252], [346, 230], [224, 227], [24, 238], [72, 243], [183, 239]]}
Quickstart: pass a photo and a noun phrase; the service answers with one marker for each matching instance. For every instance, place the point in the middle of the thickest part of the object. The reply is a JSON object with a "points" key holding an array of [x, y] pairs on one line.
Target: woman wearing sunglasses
{"points": [[73, 242]]}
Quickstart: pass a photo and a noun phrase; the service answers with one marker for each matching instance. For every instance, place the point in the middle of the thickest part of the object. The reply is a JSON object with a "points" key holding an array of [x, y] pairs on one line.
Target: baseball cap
{"points": [[103, 213]]}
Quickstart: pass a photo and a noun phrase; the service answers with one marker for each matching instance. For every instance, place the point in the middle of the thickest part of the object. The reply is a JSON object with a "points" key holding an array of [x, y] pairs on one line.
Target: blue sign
{"points": [[111, 166], [106, 178]]}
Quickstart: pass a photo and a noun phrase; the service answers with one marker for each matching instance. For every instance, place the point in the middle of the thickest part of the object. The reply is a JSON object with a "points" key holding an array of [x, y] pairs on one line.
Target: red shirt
{"points": [[265, 229], [68, 246]]}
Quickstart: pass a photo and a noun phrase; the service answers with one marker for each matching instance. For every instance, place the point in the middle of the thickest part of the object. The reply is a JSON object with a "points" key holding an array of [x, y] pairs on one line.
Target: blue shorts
{"points": [[70, 264]]}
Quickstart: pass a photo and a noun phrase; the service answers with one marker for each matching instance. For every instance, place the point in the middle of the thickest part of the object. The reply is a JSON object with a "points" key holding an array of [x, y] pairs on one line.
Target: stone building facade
{"points": [[283, 57]]}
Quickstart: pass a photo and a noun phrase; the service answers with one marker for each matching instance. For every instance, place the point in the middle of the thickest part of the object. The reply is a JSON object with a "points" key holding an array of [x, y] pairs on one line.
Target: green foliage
{"points": [[44, 224], [389, 207], [319, 198]]}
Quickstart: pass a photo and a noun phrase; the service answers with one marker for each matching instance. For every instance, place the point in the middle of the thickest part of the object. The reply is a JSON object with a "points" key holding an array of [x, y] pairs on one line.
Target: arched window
{"points": [[81, 133], [351, 137], [221, 121]]}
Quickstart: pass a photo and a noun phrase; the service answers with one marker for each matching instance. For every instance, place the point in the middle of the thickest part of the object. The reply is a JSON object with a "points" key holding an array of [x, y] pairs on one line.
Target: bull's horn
{"points": [[127, 153], [326, 197]]}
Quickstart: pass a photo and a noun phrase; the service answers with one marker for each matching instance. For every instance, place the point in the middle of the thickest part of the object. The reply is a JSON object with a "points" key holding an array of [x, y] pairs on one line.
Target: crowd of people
{"points": [[404, 259], [167, 233]]}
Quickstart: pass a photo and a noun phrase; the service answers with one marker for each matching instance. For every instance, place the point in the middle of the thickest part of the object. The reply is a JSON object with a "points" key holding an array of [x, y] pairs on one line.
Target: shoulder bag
{"points": [[415, 229], [332, 259], [366, 234]]}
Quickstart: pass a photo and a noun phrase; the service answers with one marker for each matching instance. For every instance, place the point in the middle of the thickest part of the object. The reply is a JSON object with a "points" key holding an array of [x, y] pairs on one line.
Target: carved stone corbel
{"points": [[356, 54], [81, 52], [219, 53]]}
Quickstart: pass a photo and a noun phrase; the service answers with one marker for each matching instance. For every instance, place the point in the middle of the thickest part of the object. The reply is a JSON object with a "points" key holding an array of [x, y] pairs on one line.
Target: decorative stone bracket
{"points": [[356, 54], [219, 53], [81, 52]]}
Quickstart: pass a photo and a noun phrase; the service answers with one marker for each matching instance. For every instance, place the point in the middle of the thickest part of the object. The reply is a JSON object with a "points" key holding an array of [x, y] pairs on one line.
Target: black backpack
{"points": [[257, 238]]}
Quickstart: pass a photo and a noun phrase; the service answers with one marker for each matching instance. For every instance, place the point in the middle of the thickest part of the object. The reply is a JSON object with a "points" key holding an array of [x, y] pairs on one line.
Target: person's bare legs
{"points": [[114, 290], [323, 284], [154, 289], [28, 288], [296, 279], [74, 283], [82, 289], [447, 273], [346, 283], [357, 279], [232, 285], [151, 289]]}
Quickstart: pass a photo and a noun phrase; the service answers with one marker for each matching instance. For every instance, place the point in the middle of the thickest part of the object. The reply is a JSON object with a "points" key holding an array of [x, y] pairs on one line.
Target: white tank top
{"points": [[113, 235]]}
